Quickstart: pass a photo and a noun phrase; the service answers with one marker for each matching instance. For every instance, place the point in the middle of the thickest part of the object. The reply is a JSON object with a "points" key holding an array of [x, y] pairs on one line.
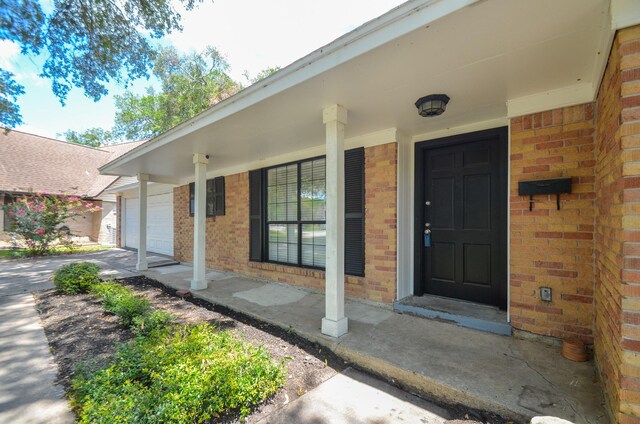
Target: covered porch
{"points": [[515, 378], [536, 73], [359, 91]]}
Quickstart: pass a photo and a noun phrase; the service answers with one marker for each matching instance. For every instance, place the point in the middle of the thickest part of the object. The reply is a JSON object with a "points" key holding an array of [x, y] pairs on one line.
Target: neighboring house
{"points": [[34, 164], [539, 90]]}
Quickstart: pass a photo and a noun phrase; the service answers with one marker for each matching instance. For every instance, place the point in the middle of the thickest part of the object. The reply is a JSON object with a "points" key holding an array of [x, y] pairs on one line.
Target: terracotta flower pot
{"points": [[574, 350]]}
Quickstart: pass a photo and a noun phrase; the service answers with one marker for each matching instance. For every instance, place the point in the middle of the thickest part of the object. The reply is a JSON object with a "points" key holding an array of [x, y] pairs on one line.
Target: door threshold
{"points": [[465, 314]]}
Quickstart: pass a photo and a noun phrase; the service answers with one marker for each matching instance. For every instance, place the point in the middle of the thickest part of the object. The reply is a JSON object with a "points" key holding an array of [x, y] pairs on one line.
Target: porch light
{"points": [[432, 105]]}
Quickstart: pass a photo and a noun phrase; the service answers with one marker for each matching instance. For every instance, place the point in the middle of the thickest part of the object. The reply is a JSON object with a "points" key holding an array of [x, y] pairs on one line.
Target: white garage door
{"points": [[159, 223]]}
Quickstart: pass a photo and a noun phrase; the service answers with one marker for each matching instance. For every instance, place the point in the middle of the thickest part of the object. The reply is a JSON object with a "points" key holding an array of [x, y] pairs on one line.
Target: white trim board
{"points": [[386, 136]]}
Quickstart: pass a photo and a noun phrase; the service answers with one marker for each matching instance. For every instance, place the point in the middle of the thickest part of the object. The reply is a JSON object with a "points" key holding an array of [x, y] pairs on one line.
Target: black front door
{"points": [[461, 199]]}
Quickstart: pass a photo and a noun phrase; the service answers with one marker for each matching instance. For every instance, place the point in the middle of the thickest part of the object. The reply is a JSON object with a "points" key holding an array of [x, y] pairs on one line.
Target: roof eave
{"points": [[393, 24]]}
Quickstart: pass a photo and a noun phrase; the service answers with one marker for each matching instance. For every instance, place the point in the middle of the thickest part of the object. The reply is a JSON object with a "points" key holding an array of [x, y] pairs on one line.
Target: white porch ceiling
{"points": [[482, 55]]}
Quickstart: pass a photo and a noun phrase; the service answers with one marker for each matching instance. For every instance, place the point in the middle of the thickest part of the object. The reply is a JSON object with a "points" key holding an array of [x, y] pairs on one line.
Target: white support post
{"points": [[199, 281], [335, 323], [142, 222]]}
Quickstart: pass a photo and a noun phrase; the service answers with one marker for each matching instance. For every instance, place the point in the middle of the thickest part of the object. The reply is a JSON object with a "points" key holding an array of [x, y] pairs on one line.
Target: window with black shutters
{"points": [[288, 213], [214, 200]]}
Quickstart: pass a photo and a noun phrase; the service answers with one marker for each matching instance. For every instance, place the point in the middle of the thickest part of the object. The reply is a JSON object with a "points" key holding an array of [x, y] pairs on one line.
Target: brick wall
{"points": [[227, 244], [550, 247], [617, 323]]}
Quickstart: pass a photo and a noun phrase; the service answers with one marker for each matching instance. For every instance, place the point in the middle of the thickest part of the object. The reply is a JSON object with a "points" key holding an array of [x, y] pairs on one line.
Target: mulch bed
{"points": [[79, 330]]}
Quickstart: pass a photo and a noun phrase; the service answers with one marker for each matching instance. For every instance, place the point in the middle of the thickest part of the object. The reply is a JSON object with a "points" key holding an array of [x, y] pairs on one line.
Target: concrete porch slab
{"points": [[355, 397], [516, 378], [172, 269], [271, 295], [465, 314]]}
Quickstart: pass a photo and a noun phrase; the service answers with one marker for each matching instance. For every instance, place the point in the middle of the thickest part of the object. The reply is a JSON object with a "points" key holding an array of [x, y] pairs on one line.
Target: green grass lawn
{"points": [[56, 250]]}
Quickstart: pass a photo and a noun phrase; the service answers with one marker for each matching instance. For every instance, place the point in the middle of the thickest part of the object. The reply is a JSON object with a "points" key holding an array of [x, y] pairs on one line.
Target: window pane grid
{"points": [[296, 213], [313, 244], [313, 193]]}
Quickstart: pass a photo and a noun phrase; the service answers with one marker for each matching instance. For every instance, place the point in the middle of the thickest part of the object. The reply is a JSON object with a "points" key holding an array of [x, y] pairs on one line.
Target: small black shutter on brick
{"points": [[214, 203], [354, 212], [192, 198], [217, 196], [256, 224]]}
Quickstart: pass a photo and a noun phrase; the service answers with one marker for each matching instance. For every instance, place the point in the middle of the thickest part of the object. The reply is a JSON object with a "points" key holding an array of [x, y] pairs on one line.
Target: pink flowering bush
{"points": [[39, 219]]}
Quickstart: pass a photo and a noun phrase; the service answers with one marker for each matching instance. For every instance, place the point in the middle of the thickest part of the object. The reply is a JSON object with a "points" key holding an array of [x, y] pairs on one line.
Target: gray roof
{"points": [[33, 164]]}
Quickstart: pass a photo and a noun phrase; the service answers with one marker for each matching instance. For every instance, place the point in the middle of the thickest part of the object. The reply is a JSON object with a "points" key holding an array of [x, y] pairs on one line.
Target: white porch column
{"points": [[199, 281], [142, 222], [335, 323]]}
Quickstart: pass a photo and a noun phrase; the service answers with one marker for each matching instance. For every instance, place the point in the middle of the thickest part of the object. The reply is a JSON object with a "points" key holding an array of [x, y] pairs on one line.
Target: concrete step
{"points": [[463, 313]]}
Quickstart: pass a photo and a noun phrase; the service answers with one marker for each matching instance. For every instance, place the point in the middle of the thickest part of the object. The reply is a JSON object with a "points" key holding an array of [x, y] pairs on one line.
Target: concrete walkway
{"points": [[28, 393], [516, 378], [27, 371]]}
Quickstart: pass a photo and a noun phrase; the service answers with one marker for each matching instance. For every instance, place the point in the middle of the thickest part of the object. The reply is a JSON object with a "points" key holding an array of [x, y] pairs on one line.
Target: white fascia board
{"points": [[461, 129], [624, 13], [553, 99], [163, 180], [134, 186], [389, 135], [603, 57], [399, 21]]}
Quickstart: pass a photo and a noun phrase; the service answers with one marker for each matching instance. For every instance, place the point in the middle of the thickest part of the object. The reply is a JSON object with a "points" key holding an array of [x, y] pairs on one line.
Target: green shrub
{"points": [[188, 374], [109, 289], [151, 321], [76, 277], [130, 307], [122, 301]]}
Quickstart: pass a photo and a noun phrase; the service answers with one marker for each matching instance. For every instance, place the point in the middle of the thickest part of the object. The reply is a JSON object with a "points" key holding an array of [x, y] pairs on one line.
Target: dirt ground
{"points": [[79, 330]]}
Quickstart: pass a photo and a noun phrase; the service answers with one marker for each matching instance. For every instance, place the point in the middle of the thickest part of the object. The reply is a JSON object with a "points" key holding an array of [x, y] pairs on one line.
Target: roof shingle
{"points": [[33, 164]]}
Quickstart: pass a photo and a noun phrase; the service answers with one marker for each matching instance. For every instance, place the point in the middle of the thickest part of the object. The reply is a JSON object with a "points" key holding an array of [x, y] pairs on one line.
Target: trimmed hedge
{"points": [[77, 277]]}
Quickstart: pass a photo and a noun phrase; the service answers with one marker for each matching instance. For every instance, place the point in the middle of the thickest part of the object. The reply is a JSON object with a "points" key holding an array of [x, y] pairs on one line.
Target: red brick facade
{"points": [[550, 247], [617, 298], [227, 244], [588, 252]]}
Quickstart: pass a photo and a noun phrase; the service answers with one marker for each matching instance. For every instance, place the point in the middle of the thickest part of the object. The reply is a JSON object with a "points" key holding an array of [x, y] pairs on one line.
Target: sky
{"points": [[252, 35]]}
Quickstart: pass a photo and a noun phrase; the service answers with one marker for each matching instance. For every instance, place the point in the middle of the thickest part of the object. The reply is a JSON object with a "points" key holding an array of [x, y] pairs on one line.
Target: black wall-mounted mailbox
{"points": [[555, 186]]}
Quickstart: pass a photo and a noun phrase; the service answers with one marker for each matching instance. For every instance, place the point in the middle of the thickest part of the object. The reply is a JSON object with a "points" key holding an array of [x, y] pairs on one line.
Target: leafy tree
{"points": [[87, 43], [93, 137], [190, 83], [261, 75], [9, 91]]}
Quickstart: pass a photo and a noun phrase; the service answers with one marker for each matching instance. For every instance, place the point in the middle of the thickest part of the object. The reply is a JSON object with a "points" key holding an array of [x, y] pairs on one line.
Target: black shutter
{"points": [[354, 212], [220, 198], [215, 197], [210, 199], [255, 216], [192, 198]]}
